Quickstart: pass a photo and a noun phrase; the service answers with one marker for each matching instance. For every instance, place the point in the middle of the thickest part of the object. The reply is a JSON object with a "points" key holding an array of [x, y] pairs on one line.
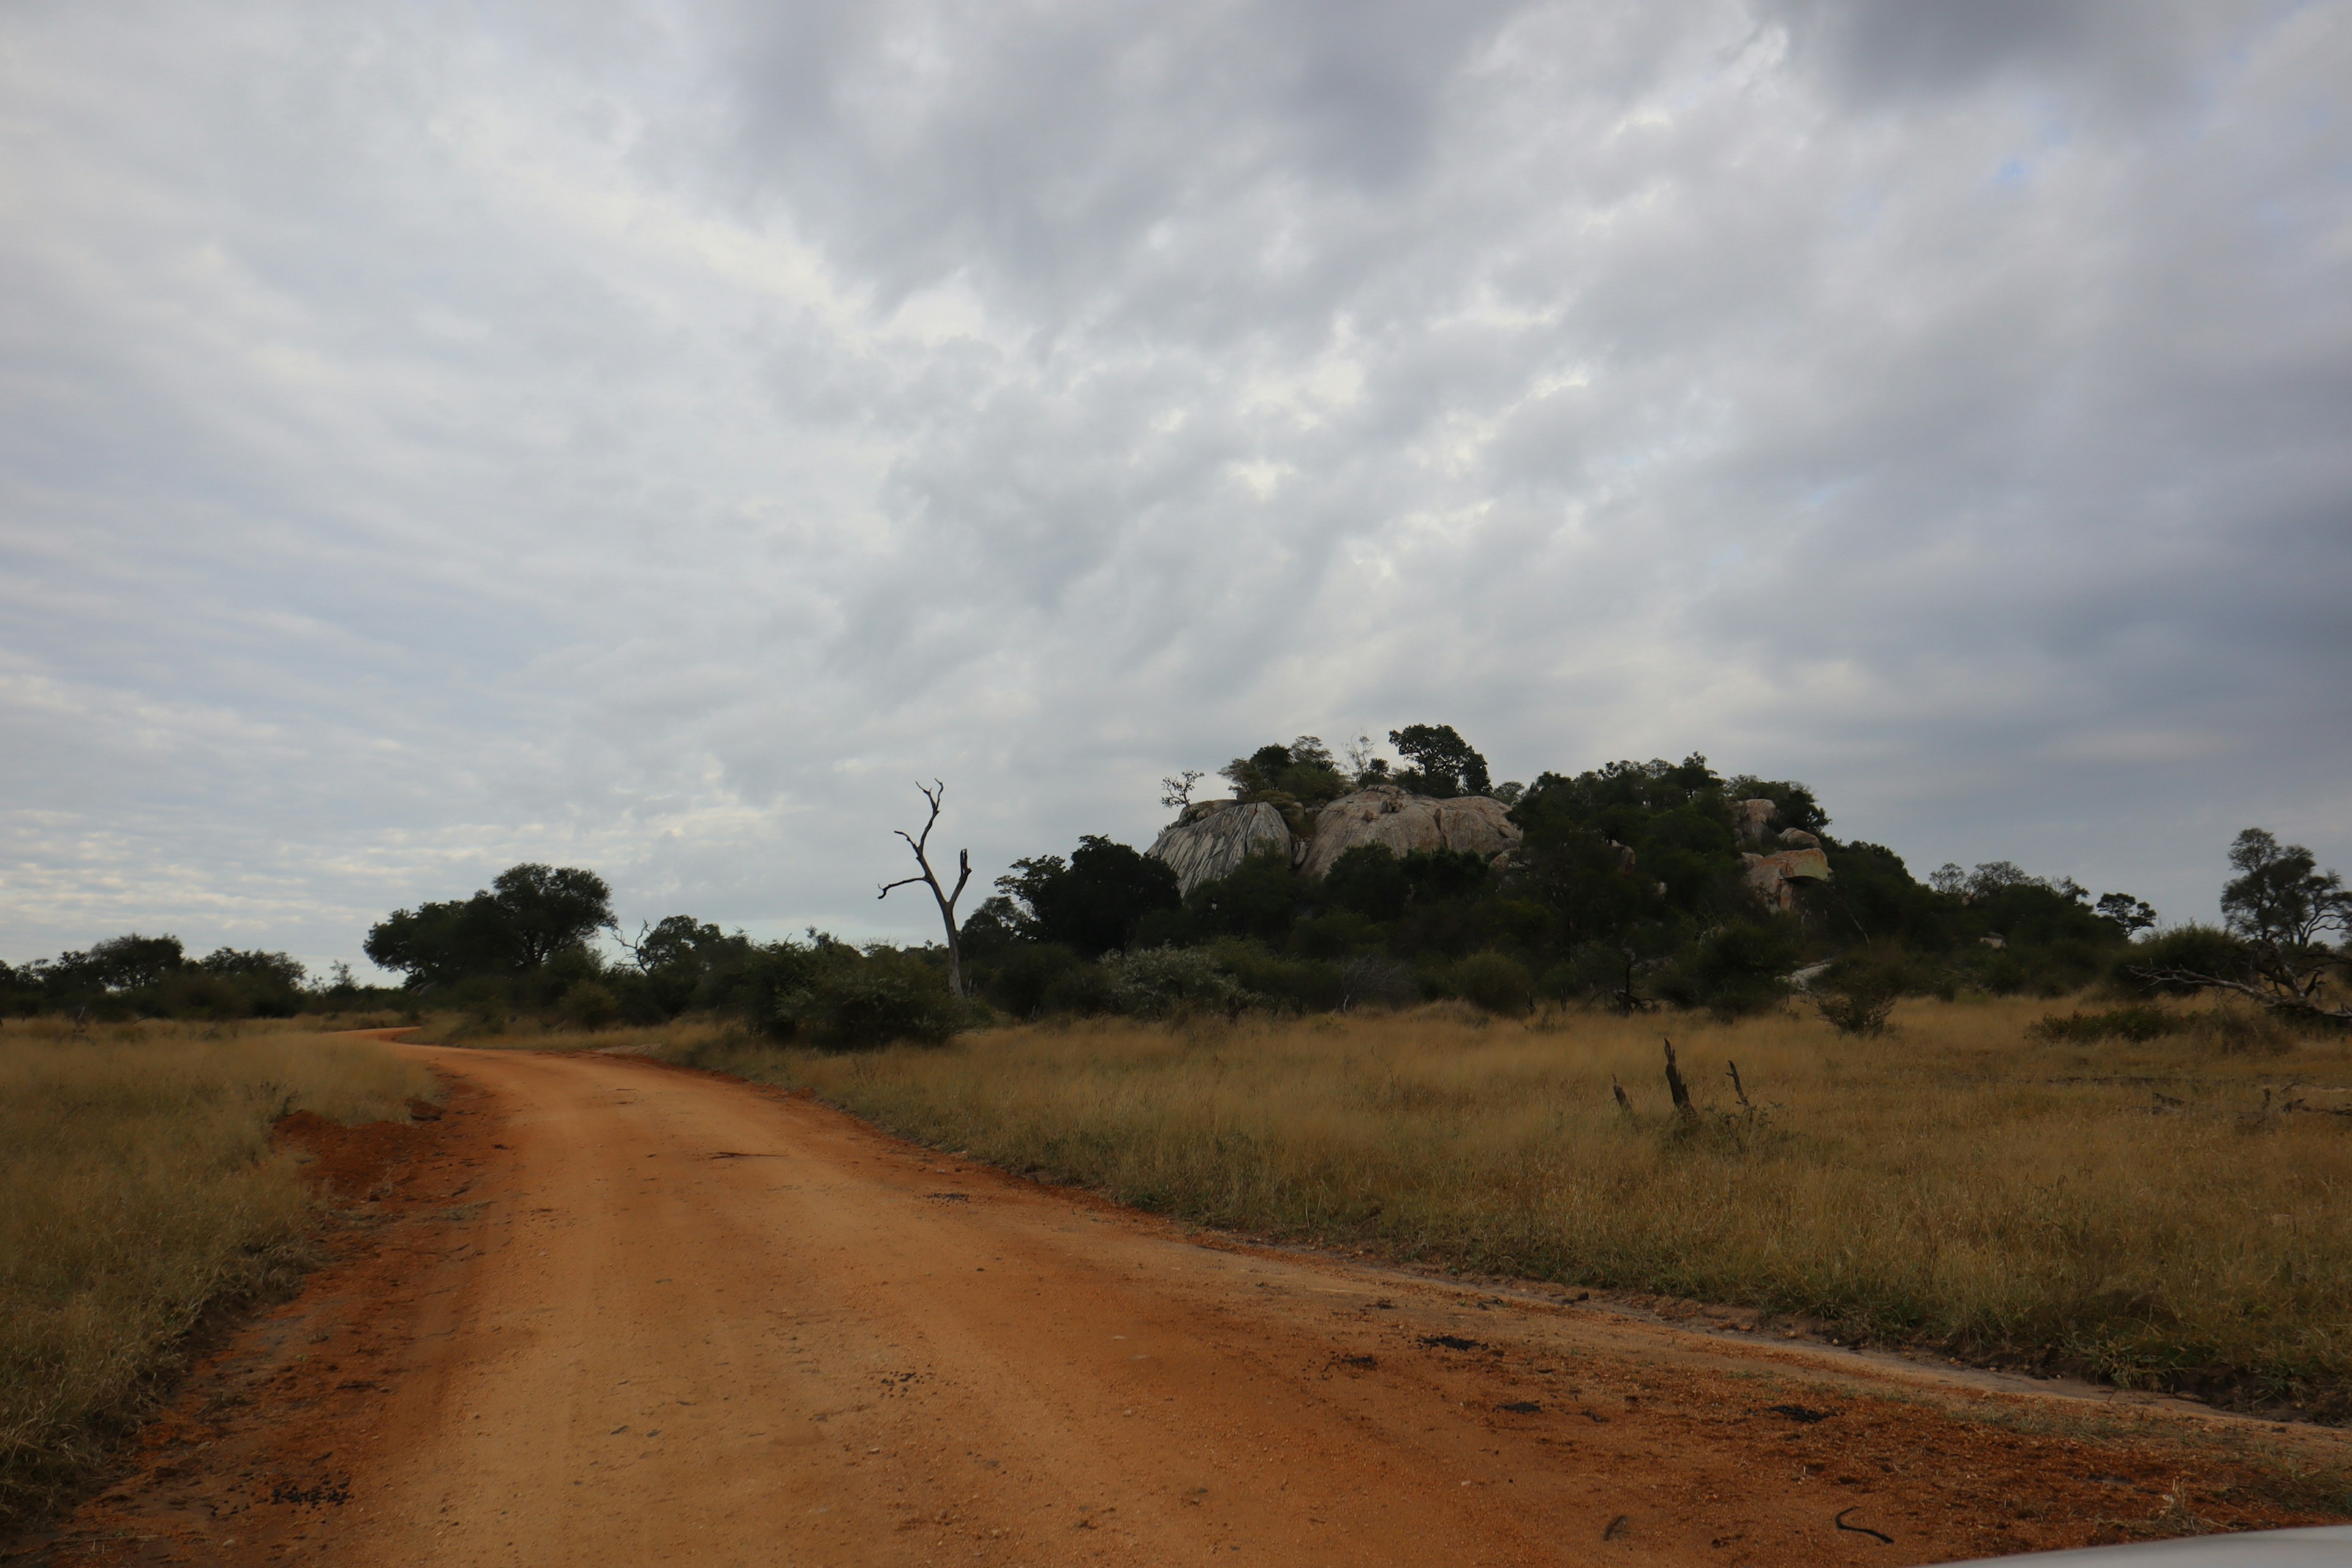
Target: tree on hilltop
{"points": [[1444, 764]]}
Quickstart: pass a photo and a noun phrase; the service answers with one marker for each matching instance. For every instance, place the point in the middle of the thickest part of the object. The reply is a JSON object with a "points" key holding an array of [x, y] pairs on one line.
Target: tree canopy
{"points": [[529, 913]]}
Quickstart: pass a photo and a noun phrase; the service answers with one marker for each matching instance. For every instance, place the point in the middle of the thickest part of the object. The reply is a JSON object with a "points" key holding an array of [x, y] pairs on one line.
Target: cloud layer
{"points": [[450, 435]]}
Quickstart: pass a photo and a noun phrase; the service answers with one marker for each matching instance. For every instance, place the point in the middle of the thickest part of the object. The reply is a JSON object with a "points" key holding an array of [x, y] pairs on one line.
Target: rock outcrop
{"points": [[1750, 818], [1212, 839], [1774, 877], [1405, 822]]}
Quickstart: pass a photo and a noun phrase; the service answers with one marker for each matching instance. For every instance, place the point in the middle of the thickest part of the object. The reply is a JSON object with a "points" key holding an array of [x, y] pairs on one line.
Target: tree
{"points": [[1444, 764], [117, 964], [2281, 907], [2134, 915], [1092, 902], [946, 900], [1258, 898], [1368, 879], [437, 943], [279, 971], [529, 913], [1302, 771], [551, 908], [2279, 897]]}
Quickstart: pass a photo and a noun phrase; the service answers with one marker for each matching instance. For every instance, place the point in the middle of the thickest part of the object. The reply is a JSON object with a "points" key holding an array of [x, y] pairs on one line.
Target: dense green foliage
{"points": [[529, 914], [1630, 888]]}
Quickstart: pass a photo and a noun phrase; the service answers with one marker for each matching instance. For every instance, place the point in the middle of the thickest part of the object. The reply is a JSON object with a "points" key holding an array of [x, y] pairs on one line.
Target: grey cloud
{"points": [[2127, 54], [655, 437]]}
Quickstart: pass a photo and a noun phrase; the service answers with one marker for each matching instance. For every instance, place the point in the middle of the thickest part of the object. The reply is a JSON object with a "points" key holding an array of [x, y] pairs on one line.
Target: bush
{"points": [[1022, 974], [1858, 992], [193, 993], [486, 1001], [1376, 982], [1734, 969], [1335, 935], [2137, 1025], [1306, 985], [856, 1001], [1260, 899], [2200, 949], [1171, 982], [1496, 983], [590, 1004], [1086, 990], [2236, 1026], [1368, 881]]}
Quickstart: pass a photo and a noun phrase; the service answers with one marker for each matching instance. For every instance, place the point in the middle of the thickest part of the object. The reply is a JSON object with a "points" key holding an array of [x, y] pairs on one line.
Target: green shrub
{"points": [[1376, 980], [1306, 985], [1493, 982], [1367, 880], [1084, 990], [2199, 949], [590, 1004], [1020, 976], [1171, 982], [1260, 899], [857, 1001], [1734, 970], [486, 1003], [1859, 991]]}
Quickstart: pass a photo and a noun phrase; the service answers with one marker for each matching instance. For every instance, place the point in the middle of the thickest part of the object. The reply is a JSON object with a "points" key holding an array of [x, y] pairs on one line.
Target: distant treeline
{"points": [[152, 976], [1628, 890]]}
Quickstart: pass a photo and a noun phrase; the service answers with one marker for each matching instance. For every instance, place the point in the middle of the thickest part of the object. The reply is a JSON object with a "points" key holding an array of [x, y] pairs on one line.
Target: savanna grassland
{"points": [[2175, 1213], [138, 1192]]}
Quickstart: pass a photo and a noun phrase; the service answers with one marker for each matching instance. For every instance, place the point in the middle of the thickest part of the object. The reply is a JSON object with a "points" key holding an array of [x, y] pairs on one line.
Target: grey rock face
{"points": [[1405, 822], [1750, 818], [1212, 839]]}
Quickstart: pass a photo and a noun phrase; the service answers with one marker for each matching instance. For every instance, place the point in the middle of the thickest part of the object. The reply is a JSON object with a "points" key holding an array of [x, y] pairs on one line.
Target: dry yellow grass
{"points": [[138, 1190], [2128, 1211]]}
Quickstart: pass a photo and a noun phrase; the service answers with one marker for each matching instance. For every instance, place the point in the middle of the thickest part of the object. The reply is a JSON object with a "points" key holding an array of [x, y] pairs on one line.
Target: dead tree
{"points": [[937, 792], [1676, 1087]]}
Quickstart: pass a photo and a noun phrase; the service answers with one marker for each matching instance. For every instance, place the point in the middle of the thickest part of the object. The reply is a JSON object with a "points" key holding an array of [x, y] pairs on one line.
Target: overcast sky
{"points": [[653, 437]]}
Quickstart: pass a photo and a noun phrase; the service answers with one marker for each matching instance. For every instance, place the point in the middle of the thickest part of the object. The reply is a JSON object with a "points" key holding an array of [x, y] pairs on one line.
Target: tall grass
{"points": [[137, 1191], [2128, 1210]]}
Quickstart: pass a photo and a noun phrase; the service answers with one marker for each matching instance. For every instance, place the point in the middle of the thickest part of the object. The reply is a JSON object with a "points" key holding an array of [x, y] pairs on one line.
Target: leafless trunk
{"points": [[1675, 1086], [937, 792]]}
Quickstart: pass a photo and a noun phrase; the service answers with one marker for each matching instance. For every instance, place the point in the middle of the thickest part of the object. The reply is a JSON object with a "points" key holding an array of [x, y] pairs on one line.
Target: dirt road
{"points": [[638, 1315]]}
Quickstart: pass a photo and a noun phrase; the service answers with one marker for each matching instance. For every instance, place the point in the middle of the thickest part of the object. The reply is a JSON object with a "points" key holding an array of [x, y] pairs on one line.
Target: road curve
{"points": [[646, 1315]]}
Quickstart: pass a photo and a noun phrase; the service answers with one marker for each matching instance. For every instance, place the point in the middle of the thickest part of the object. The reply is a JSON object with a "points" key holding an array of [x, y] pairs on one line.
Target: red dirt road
{"points": [[626, 1314]]}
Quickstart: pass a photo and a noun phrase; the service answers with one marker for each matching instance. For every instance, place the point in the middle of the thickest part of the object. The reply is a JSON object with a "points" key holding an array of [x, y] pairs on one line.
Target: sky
{"points": [[655, 436]]}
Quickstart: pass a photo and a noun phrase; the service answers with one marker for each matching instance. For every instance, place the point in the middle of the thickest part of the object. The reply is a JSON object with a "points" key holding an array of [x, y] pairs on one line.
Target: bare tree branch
{"points": [[921, 844], [2284, 995]]}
